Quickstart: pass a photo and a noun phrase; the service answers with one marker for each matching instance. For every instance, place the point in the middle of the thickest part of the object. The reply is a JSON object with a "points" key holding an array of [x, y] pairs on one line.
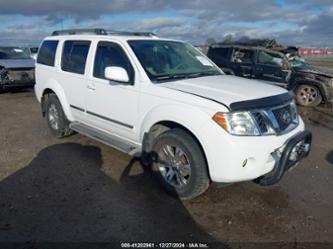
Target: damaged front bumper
{"points": [[18, 77], [296, 148]]}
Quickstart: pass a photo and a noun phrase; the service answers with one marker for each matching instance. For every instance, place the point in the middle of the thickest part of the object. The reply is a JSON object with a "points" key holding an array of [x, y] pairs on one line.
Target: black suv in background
{"points": [[310, 84]]}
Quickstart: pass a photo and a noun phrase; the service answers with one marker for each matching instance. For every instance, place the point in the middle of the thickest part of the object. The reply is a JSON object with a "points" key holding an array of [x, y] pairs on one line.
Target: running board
{"points": [[106, 138]]}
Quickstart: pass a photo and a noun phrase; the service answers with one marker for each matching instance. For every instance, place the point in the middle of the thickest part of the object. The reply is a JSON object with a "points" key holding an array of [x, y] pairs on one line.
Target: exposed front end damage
{"points": [[322, 80], [16, 77]]}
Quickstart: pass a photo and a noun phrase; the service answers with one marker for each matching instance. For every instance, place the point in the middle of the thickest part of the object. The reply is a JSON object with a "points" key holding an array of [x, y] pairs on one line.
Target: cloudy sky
{"points": [[292, 22]]}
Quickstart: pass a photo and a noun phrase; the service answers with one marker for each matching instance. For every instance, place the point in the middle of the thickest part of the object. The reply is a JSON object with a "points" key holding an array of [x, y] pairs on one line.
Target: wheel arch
{"points": [[318, 84], [55, 88], [156, 123], [165, 125]]}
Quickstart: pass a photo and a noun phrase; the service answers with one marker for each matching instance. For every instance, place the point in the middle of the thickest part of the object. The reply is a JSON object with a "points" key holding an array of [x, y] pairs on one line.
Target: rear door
{"points": [[269, 67], [73, 77]]}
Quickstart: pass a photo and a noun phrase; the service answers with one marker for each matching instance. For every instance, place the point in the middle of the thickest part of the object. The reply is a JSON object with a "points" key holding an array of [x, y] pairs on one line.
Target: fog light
{"points": [[299, 148]]}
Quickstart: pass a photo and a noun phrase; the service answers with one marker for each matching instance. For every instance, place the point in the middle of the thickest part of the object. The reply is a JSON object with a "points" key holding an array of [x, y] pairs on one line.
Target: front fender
{"points": [[191, 118]]}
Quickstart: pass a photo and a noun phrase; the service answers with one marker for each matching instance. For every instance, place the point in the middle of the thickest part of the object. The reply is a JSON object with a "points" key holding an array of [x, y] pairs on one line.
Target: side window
{"points": [[111, 54], [74, 56], [265, 57], [243, 56], [46, 55], [218, 54]]}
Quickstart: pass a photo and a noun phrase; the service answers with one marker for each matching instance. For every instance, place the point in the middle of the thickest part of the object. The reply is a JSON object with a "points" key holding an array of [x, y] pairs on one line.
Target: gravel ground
{"points": [[78, 190]]}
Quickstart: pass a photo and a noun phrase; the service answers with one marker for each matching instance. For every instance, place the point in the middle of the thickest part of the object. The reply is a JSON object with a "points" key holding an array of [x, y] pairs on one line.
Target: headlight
{"points": [[237, 123]]}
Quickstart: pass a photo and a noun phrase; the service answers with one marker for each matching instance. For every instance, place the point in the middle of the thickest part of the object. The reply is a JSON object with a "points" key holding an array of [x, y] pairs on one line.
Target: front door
{"points": [[269, 67], [112, 106]]}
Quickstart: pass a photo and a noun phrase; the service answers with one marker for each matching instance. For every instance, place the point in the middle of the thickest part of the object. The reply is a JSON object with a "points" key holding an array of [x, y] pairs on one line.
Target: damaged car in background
{"points": [[17, 68], [311, 85]]}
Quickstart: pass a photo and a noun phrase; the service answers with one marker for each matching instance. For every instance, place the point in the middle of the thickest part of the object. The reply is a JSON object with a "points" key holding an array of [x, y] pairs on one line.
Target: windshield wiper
{"points": [[202, 74], [171, 77], [186, 76]]}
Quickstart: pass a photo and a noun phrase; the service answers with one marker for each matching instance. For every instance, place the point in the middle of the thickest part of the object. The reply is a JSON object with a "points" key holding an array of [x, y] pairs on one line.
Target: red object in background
{"points": [[329, 51], [314, 51]]}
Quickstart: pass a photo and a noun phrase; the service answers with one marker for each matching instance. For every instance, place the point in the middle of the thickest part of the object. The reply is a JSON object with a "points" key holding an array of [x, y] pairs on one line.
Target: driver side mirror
{"points": [[117, 74]]}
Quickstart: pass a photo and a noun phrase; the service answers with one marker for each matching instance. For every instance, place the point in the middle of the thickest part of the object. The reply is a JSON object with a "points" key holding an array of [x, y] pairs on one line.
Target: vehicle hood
{"points": [[20, 63], [225, 89], [314, 70]]}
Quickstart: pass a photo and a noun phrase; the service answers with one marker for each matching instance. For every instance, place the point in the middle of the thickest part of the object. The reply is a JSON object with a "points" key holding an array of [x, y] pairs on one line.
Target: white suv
{"points": [[167, 102]]}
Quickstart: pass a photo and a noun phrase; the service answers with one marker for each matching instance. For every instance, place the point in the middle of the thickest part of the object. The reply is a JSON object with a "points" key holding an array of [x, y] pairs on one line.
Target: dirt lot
{"points": [[77, 190], [325, 62]]}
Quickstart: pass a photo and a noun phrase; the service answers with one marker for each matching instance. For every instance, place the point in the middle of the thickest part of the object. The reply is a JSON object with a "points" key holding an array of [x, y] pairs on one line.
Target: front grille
{"points": [[260, 119], [276, 120], [283, 117]]}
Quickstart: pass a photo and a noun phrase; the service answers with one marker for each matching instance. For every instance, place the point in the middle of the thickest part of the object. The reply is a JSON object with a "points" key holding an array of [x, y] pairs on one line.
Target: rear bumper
{"points": [[295, 149]]}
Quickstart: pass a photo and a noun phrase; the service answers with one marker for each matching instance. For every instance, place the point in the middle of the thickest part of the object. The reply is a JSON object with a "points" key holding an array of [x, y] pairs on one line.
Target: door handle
{"points": [[91, 86]]}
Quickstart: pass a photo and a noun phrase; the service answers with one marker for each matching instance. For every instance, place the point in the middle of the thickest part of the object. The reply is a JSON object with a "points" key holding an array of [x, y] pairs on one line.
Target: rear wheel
{"points": [[56, 118], [179, 165], [307, 95]]}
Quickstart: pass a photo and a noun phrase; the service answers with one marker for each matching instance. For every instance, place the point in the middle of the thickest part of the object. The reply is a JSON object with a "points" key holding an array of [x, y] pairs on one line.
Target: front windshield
{"points": [[13, 53], [167, 60]]}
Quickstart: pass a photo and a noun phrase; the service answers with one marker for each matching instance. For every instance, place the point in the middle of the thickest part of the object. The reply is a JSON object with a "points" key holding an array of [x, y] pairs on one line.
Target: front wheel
{"points": [[307, 95], [179, 165]]}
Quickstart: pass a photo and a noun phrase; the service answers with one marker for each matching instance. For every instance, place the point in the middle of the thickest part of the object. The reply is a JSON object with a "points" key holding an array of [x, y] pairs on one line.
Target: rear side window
{"points": [[111, 54], [74, 56], [219, 52], [46, 55], [219, 55]]}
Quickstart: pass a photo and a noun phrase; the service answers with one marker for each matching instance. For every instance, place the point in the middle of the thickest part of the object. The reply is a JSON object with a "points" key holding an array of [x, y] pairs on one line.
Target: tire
{"points": [[308, 95], [191, 178], [56, 118]]}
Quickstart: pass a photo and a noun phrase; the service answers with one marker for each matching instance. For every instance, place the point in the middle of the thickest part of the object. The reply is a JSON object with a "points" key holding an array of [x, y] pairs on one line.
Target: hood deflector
{"points": [[262, 102]]}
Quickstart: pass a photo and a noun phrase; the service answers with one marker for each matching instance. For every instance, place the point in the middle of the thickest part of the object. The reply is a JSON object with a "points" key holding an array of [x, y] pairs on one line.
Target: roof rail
{"points": [[79, 31], [114, 32], [101, 32]]}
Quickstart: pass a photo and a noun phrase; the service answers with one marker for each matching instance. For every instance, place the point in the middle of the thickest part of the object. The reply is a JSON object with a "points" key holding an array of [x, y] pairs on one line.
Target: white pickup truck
{"points": [[165, 101]]}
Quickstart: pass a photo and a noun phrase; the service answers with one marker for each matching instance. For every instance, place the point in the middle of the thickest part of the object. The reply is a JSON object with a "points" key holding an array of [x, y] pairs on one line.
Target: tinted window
{"points": [[219, 55], [74, 56], [46, 55], [110, 54], [219, 52]]}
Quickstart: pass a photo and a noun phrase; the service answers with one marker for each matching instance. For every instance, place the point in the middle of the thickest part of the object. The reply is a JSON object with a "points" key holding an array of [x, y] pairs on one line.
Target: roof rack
{"points": [[101, 32]]}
